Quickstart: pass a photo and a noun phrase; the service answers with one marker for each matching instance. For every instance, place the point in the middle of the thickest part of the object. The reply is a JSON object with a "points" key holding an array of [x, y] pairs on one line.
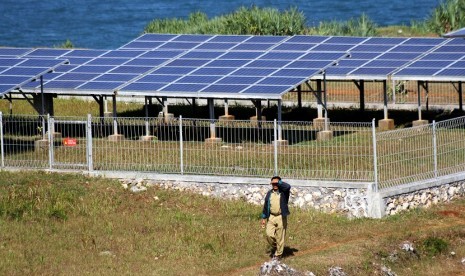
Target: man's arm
{"points": [[284, 187]]}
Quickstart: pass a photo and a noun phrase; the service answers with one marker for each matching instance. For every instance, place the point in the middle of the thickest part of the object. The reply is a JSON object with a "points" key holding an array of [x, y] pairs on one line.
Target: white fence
{"points": [[356, 151]]}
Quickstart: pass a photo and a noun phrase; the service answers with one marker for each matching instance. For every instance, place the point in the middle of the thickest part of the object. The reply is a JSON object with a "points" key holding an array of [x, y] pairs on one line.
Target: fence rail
{"points": [[355, 152]]}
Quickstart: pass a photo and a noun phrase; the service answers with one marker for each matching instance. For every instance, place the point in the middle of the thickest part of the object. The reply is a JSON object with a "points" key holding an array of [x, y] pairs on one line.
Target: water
{"points": [[109, 24]]}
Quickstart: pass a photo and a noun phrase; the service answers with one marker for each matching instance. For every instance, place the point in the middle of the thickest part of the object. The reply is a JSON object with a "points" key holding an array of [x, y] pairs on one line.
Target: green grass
{"points": [[59, 224]]}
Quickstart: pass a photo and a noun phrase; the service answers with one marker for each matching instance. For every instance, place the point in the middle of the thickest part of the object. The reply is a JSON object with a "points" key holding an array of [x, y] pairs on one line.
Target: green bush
{"points": [[448, 16], [434, 246]]}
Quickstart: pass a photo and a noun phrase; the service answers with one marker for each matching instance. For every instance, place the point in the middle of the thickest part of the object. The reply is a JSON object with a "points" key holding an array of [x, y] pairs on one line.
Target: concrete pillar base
{"points": [[169, 116], [116, 137], [319, 123], [282, 142], [324, 135], [254, 118], [56, 136], [227, 118], [108, 114], [420, 123], [386, 124], [148, 138], [41, 144], [213, 140]]}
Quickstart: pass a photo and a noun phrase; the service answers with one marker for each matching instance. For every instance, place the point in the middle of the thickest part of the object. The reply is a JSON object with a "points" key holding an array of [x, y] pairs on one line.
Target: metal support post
{"points": [[325, 101], [211, 108], [2, 152], [419, 99], [375, 158], [275, 145], [51, 122], [181, 157], [90, 163], [115, 123], [280, 132], [435, 151], [147, 128], [385, 108]]}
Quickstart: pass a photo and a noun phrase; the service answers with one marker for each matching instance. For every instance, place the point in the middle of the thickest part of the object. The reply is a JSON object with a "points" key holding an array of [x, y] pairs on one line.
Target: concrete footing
{"points": [[227, 118], [420, 123], [282, 142], [168, 117], [386, 124], [324, 135], [319, 123], [214, 140], [41, 144], [148, 138], [116, 137]]}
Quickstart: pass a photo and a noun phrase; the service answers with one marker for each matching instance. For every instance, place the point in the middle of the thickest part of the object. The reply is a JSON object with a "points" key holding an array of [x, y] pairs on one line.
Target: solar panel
{"points": [[456, 33], [13, 52], [21, 71]]}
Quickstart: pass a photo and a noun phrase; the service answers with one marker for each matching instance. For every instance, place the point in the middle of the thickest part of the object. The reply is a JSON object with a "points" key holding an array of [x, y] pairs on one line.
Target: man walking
{"points": [[274, 215]]}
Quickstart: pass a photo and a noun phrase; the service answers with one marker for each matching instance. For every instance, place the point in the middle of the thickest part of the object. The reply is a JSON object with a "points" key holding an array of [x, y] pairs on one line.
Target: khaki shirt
{"points": [[275, 207]]}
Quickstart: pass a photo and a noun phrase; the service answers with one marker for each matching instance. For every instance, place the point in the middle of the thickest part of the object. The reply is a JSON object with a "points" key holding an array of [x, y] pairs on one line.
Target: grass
{"points": [[65, 224]]}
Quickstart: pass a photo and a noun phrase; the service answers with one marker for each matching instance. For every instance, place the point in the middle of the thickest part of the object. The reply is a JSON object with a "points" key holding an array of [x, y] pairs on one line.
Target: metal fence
{"points": [[354, 152]]}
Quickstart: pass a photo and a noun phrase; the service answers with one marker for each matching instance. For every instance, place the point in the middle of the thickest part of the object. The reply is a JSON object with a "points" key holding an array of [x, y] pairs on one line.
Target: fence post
{"points": [[275, 146], [2, 152], [50, 127], [181, 145], [375, 157], [435, 151], [90, 164]]}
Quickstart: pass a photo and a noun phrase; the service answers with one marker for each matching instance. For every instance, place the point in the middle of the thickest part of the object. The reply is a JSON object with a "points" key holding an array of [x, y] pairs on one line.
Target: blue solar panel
{"points": [[123, 54], [216, 46], [202, 54], [385, 40], [173, 70], [399, 56], [411, 49], [77, 76], [333, 47], [363, 55], [130, 69], [149, 62], [107, 61], [443, 56], [239, 80], [280, 81], [241, 55], [227, 63], [308, 64], [281, 55], [266, 89], [47, 53], [159, 78], [430, 63], [423, 41], [456, 41], [456, 33], [268, 63], [84, 53], [371, 48], [156, 37], [198, 79], [381, 71], [230, 38], [253, 72], [307, 39], [294, 47], [93, 68], [458, 64], [14, 52], [188, 62], [161, 54], [143, 86], [214, 71], [303, 73], [385, 63], [63, 84], [450, 49], [337, 70], [266, 39], [104, 85], [8, 62], [452, 72], [323, 55], [351, 62], [25, 71], [116, 77], [184, 87], [142, 45], [179, 45], [416, 72], [253, 47], [225, 88], [192, 38], [345, 40], [13, 80]]}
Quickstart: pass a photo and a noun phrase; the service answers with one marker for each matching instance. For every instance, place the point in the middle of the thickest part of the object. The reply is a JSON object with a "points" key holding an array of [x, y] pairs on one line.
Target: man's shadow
{"points": [[289, 252]]}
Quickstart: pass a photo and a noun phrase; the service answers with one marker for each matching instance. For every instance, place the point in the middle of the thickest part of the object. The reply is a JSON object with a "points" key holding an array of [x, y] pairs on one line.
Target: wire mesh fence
{"points": [[353, 151]]}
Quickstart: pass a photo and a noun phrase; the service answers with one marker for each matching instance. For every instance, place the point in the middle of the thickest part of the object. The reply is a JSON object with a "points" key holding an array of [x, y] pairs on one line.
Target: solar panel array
{"points": [[457, 33], [14, 72], [242, 66], [444, 63]]}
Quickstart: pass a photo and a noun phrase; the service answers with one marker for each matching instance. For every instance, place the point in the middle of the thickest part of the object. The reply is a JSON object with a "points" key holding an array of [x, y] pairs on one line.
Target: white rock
{"points": [[136, 189]]}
